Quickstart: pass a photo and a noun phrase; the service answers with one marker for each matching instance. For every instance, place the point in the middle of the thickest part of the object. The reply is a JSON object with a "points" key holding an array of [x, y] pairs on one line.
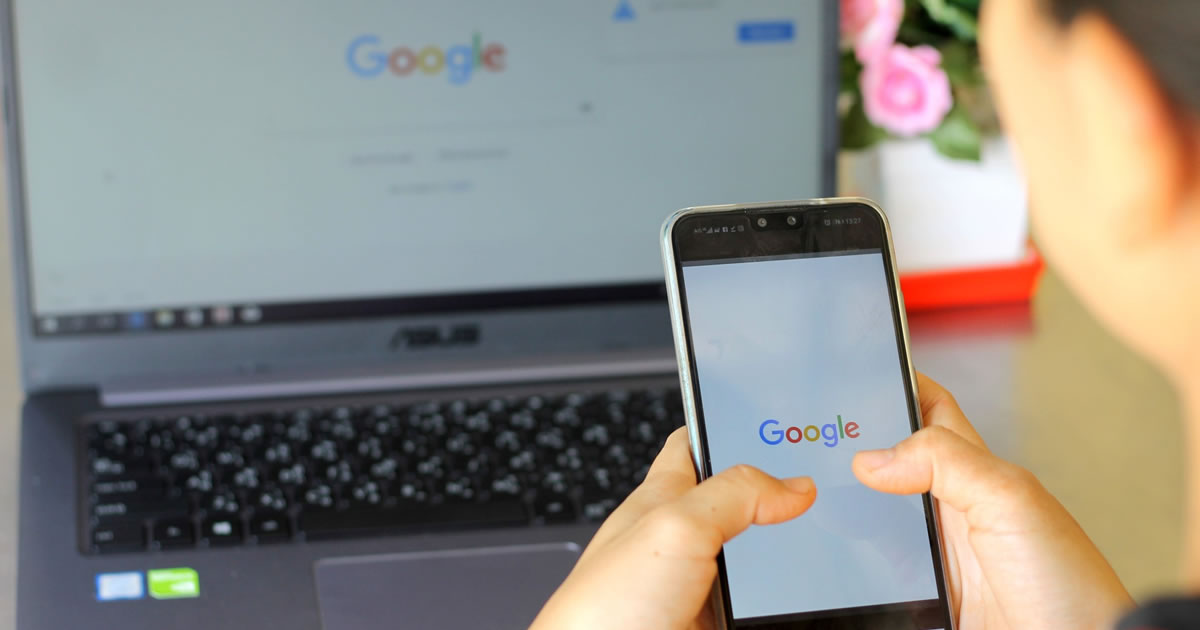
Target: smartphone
{"points": [[793, 355]]}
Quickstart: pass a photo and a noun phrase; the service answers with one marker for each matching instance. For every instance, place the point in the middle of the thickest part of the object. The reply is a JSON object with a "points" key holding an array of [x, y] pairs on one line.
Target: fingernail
{"points": [[874, 460], [799, 485]]}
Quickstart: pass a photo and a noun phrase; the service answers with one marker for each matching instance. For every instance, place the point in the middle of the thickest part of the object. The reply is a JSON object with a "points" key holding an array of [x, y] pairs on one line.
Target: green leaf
{"points": [[857, 132], [967, 5], [917, 28], [960, 60], [912, 34], [849, 69], [958, 137], [962, 21]]}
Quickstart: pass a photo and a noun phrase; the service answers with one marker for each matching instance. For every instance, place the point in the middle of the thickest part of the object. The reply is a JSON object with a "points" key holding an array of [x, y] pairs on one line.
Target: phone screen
{"points": [[798, 365]]}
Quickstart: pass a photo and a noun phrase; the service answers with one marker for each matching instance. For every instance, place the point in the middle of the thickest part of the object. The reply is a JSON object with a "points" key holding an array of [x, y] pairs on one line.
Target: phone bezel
{"points": [[768, 242]]}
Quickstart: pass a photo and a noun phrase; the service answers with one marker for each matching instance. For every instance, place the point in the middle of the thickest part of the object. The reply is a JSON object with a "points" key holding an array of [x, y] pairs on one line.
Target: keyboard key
{"points": [[109, 468], [222, 530], [554, 508], [176, 532], [131, 486], [270, 527], [271, 499], [320, 496], [125, 508], [119, 536], [223, 503], [599, 509], [330, 524]]}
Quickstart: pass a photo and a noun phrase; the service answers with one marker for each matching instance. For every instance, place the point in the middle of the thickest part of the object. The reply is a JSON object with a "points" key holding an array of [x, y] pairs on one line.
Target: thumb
{"points": [[727, 504], [943, 463]]}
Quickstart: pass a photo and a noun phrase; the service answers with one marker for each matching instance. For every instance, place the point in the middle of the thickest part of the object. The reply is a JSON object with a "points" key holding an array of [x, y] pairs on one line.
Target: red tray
{"points": [[972, 287]]}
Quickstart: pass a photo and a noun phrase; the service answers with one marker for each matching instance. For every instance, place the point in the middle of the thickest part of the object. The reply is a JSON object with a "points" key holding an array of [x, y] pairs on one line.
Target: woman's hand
{"points": [[653, 563], [1016, 558]]}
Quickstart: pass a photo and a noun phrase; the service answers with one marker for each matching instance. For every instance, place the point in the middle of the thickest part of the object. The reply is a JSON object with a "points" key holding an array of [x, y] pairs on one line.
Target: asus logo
{"points": [[418, 337]]}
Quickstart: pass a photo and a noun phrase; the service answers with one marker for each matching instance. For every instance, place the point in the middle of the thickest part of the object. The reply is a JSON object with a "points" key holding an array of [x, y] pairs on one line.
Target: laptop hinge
{"points": [[166, 393]]}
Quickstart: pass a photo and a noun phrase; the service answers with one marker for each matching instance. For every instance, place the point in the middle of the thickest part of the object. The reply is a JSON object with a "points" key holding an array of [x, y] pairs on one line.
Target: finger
{"points": [[944, 463], [726, 504], [675, 458], [931, 393], [660, 572], [939, 408], [671, 475]]}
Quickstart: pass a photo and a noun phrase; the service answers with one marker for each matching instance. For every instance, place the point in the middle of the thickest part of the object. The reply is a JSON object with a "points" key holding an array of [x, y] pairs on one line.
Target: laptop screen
{"points": [[231, 163]]}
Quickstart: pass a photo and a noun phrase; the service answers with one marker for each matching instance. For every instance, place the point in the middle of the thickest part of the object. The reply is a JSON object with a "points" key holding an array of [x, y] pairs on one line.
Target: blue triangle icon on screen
{"points": [[624, 12]]}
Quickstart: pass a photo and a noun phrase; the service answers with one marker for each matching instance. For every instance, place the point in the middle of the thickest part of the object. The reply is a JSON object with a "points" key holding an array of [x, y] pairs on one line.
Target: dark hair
{"points": [[1166, 32]]}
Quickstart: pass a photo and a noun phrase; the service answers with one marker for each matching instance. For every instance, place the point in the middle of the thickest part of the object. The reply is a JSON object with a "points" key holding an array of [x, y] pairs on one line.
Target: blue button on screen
{"points": [[766, 32]]}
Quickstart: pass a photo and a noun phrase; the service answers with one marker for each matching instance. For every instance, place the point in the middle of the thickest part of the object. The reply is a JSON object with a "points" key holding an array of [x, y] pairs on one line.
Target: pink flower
{"points": [[871, 25], [905, 91]]}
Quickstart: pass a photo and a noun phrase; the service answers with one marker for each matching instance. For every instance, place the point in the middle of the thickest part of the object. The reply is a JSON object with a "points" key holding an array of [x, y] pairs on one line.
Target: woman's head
{"points": [[1102, 98]]}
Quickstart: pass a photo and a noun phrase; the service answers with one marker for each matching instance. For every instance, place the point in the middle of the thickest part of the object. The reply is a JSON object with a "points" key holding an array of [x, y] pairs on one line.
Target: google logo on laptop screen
{"points": [[369, 58]]}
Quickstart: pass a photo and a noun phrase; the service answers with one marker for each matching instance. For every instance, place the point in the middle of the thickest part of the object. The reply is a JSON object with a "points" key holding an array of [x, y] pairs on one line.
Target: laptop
{"points": [[349, 315]]}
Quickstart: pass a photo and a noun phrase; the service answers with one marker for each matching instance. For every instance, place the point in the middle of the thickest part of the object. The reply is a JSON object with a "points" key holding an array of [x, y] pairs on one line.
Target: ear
{"points": [[1139, 151]]}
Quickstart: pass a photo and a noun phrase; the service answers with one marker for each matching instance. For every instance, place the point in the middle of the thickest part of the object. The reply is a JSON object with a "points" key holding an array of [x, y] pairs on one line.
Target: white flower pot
{"points": [[945, 214]]}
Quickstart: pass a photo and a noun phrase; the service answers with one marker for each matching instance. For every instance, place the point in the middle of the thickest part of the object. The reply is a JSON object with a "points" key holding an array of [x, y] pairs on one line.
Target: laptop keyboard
{"points": [[312, 473]]}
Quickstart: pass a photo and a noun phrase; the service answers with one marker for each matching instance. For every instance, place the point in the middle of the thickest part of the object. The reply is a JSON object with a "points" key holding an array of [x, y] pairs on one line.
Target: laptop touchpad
{"points": [[496, 587]]}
